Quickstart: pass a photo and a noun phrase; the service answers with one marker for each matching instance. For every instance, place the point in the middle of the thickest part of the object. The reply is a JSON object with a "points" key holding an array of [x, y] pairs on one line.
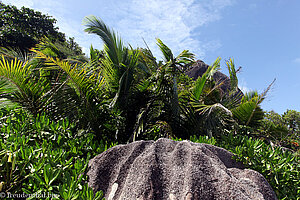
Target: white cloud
{"points": [[296, 60], [173, 21], [243, 85]]}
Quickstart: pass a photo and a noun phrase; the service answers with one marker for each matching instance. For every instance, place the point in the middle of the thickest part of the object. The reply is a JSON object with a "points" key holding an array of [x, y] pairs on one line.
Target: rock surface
{"points": [[199, 68], [172, 170]]}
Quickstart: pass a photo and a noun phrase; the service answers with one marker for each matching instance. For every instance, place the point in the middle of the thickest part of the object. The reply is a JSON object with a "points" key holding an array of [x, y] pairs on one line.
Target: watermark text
{"points": [[41, 195]]}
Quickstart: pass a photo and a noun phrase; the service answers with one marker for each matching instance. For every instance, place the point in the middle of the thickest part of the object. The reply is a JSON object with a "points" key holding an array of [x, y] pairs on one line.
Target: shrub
{"points": [[40, 156], [280, 168]]}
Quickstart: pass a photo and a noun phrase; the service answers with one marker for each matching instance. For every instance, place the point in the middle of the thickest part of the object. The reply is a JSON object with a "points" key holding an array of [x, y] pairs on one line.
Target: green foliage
{"points": [[22, 28], [131, 89], [201, 139], [249, 112], [74, 48], [292, 120], [200, 82], [273, 126], [19, 85], [283, 129], [119, 67], [64, 105], [68, 49], [205, 109], [41, 156], [281, 168], [160, 112], [57, 87], [232, 74], [113, 45]]}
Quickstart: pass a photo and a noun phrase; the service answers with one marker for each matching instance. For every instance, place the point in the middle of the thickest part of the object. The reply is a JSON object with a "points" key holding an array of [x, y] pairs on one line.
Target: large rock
{"points": [[199, 68], [172, 170]]}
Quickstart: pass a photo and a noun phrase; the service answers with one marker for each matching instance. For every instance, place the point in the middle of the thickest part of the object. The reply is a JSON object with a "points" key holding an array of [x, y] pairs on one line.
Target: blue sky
{"points": [[263, 36]]}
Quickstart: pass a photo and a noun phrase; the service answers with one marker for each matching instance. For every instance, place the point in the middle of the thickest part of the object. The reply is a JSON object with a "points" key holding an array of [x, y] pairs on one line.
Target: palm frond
{"points": [[185, 57], [82, 79], [126, 79], [113, 45], [12, 53], [143, 85], [148, 56], [48, 48], [168, 55], [23, 88], [216, 118], [93, 53], [82, 91], [249, 112], [232, 74], [200, 82]]}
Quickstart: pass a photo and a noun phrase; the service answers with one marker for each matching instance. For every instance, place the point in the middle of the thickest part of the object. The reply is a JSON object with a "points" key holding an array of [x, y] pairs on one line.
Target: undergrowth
{"points": [[40, 156], [280, 167]]}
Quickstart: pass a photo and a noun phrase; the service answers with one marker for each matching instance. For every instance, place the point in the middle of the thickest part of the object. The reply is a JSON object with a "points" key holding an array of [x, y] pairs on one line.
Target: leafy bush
{"points": [[280, 168], [283, 130], [123, 94], [40, 156]]}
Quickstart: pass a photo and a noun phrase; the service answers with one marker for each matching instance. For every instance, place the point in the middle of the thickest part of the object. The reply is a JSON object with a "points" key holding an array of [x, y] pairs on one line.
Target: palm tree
{"points": [[210, 115], [60, 88], [205, 113], [162, 109], [249, 111], [119, 68], [127, 90]]}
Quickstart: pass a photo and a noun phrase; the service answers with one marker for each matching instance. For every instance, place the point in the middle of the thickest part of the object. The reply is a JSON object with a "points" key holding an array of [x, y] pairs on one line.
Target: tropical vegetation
{"points": [[60, 108]]}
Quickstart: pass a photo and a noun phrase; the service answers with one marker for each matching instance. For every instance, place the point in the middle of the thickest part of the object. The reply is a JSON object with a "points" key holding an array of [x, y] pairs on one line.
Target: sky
{"points": [[262, 36]]}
